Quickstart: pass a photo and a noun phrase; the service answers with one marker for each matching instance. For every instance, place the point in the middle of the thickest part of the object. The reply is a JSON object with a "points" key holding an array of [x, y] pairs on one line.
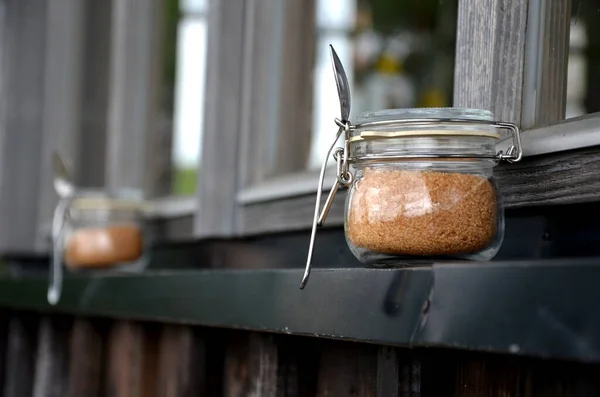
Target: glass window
{"points": [[397, 54], [189, 95]]}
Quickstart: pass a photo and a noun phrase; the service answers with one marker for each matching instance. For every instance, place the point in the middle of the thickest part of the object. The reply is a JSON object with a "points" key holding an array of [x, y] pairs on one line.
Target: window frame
{"points": [[247, 61], [534, 70], [90, 79]]}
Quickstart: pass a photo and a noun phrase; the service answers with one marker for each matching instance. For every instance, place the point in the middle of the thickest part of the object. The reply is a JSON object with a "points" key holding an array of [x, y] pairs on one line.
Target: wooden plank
{"points": [[465, 374], [490, 51], [215, 348], [561, 178], [546, 59], [51, 364], [553, 87], [62, 99], [275, 129], [4, 322], [182, 363], [251, 364], [289, 214], [298, 366], [502, 376], [410, 374], [347, 369], [260, 96], [132, 360], [46, 108], [158, 163], [85, 359], [296, 96], [88, 163], [21, 121], [20, 355], [511, 58], [134, 92], [494, 378], [3, 33], [388, 372], [559, 379], [217, 179]]}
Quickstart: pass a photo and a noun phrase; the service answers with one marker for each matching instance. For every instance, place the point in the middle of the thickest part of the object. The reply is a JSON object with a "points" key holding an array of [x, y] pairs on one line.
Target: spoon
{"points": [[343, 88], [62, 180], [65, 190]]}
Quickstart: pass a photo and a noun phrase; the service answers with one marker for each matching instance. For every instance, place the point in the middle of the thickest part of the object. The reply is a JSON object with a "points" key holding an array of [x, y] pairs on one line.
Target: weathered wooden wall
{"points": [[63, 356]]}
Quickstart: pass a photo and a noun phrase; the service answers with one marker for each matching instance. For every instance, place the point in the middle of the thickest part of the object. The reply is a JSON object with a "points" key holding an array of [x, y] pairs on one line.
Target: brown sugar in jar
{"points": [[103, 246], [421, 213]]}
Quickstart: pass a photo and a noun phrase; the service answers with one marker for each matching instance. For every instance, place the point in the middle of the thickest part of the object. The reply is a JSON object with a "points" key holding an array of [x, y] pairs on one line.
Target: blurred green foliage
{"points": [[184, 181], [388, 15]]}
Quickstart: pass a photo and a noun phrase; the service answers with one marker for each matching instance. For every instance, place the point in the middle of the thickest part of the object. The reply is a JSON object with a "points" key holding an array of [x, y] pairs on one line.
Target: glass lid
{"points": [[100, 199]]}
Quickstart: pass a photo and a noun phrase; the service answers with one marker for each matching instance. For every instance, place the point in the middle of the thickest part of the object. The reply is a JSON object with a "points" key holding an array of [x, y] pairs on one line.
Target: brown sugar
{"points": [[422, 213], [103, 246]]}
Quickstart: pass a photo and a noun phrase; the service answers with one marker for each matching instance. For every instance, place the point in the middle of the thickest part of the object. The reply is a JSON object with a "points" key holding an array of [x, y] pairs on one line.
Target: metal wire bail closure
{"points": [[515, 152], [344, 177]]}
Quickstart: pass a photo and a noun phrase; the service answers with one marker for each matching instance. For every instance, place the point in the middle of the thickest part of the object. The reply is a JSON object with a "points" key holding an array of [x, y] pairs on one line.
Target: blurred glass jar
{"points": [[97, 231]]}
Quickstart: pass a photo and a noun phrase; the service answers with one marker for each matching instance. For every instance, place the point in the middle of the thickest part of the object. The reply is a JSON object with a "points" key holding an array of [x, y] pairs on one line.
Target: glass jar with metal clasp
{"points": [[421, 186], [93, 230]]}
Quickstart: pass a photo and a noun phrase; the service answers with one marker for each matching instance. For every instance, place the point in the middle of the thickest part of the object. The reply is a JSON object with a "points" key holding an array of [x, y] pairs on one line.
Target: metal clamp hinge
{"points": [[515, 152]]}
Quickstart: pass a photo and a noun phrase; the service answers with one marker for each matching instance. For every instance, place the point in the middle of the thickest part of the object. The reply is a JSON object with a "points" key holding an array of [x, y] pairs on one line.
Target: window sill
{"points": [[576, 133], [561, 166], [286, 186], [571, 134]]}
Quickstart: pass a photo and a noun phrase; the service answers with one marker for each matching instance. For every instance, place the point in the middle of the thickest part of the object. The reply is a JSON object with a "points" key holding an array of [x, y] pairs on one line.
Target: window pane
{"points": [[583, 79], [193, 6], [189, 100], [397, 54]]}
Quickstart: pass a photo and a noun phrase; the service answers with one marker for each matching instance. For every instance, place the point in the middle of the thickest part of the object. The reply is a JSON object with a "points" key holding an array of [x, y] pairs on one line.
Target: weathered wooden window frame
{"points": [[511, 54], [88, 87], [254, 128], [511, 58]]}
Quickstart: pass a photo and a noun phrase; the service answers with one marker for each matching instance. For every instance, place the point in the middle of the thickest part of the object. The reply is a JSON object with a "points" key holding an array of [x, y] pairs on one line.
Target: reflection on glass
{"points": [[397, 54]]}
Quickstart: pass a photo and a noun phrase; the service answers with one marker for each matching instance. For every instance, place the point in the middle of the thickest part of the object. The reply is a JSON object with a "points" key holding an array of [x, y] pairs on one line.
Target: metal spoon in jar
{"points": [[65, 189], [343, 89], [62, 180]]}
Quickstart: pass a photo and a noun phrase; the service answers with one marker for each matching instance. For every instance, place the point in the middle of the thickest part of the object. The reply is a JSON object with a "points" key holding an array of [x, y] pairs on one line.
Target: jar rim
{"points": [[424, 122], [366, 135], [471, 114], [124, 200]]}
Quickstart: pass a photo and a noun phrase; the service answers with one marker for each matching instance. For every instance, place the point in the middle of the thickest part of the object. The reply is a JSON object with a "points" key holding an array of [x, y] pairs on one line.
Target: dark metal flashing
{"points": [[542, 308]]}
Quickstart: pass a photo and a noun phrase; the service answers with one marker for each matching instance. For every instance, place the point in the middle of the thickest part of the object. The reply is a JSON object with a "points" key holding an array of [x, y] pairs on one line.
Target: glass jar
{"points": [[97, 231], [423, 192], [421, 186]]}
